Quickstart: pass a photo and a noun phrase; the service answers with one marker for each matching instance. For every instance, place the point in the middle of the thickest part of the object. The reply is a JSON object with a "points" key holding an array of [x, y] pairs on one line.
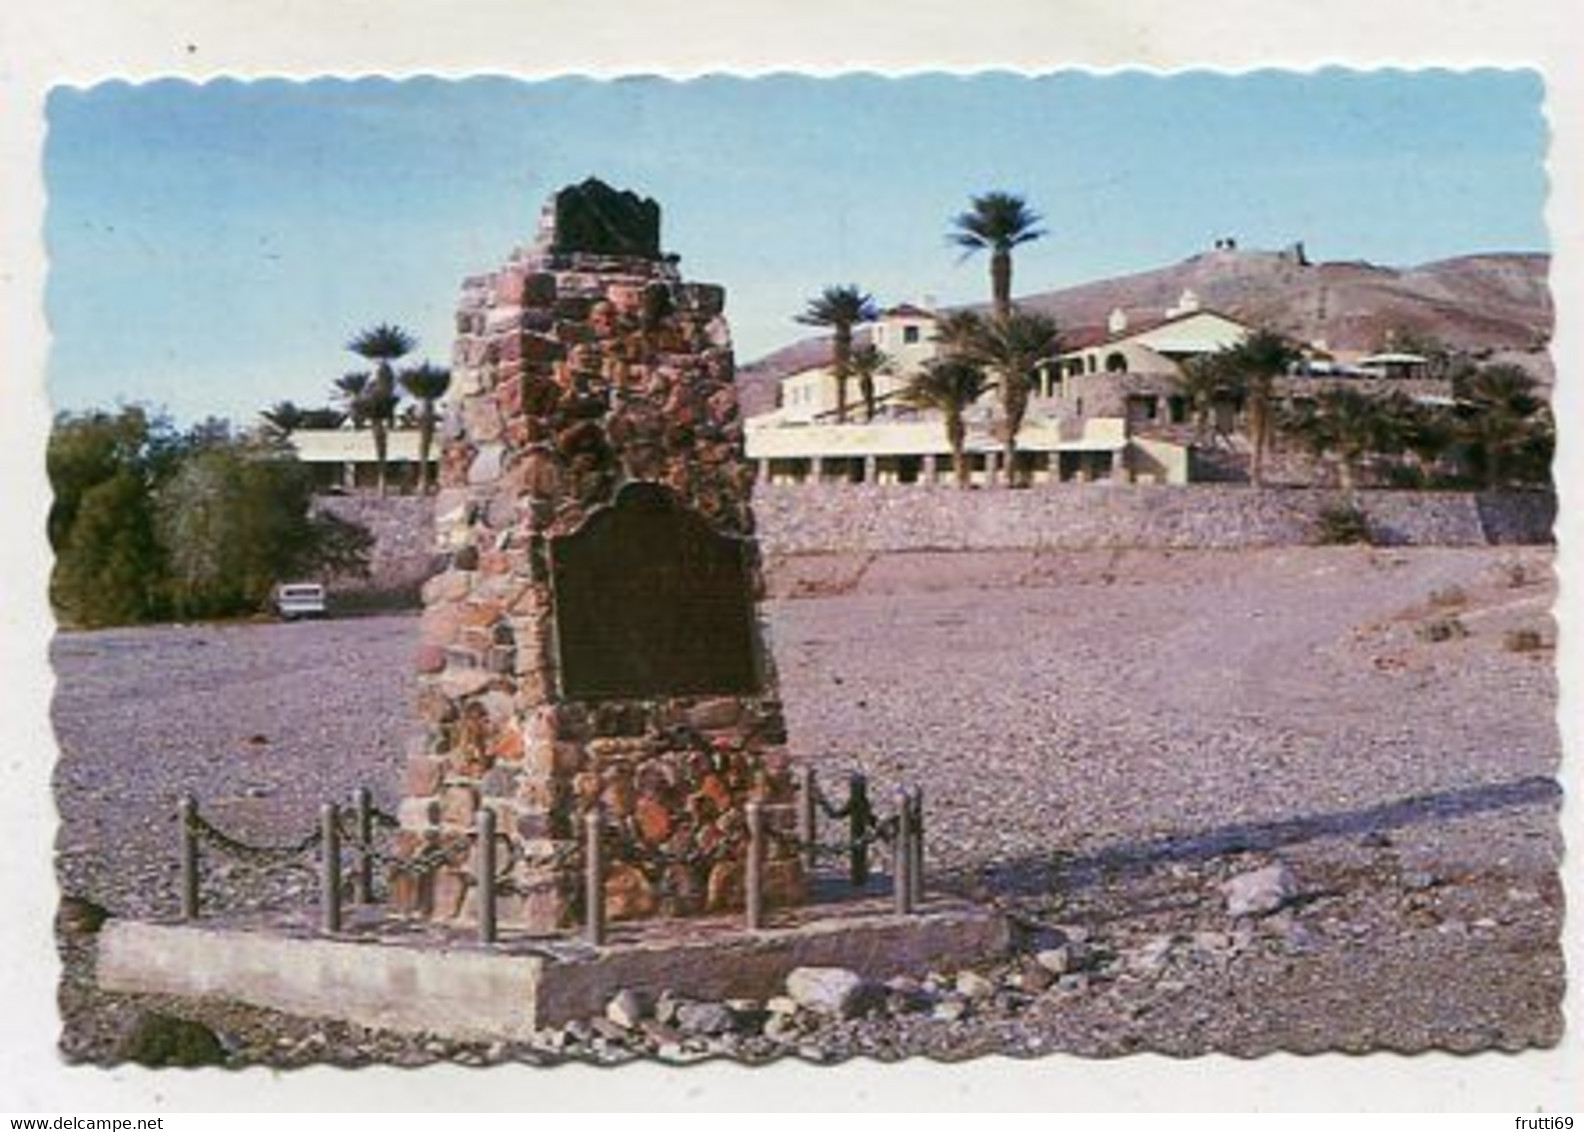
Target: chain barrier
{"points": [[211, 834], [354, 831]]}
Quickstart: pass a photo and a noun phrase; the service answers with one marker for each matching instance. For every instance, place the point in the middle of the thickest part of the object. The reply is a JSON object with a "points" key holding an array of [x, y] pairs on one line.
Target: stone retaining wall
{"points": [[869, 519], [804, 519], [403, 556]]}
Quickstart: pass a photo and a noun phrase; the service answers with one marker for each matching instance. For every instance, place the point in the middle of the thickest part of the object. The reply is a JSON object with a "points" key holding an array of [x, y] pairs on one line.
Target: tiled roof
{"points": [[907, 310], [1085, 337]]}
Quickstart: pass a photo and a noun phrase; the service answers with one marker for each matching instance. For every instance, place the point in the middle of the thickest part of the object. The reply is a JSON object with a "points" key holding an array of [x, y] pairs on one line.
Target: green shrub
{"points": [[1523, 640], [1342, 524], [148, 522], [1440, 629], [158, 1041]]}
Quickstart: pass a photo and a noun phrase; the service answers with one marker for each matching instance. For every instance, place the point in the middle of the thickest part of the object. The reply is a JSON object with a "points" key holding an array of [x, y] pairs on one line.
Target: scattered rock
{"points": [[949, 1010], [835, 991], [1260, 892], [626, 1009], [1151, 958], [973, 985], [1032, 978], [782, 1028], [1057, 960], [710, 1019]]}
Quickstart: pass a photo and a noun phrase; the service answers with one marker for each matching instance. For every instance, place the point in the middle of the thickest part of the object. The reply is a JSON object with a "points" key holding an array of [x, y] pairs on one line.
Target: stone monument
{"points": [[593, 640]]}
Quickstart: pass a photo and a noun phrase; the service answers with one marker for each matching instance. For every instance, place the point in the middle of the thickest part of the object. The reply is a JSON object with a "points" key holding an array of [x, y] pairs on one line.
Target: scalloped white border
{"points": [[44, 42]]}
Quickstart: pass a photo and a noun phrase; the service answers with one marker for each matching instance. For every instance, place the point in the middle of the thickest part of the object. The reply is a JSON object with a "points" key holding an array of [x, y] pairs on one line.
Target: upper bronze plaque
{"points": [[595, 218], [650, 601]]}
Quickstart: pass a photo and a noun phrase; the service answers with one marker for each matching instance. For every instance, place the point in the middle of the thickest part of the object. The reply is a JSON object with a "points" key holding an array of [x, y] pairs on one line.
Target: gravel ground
{"points": [[1105, 739]]}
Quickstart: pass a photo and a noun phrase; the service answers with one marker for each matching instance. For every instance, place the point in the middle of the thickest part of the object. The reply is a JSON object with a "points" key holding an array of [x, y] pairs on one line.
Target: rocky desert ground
{"points": [[1293, 799]]}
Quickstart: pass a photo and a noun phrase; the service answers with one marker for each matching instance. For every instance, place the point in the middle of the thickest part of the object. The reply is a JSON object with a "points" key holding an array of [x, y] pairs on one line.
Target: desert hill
{"points": [[1495, 303]]}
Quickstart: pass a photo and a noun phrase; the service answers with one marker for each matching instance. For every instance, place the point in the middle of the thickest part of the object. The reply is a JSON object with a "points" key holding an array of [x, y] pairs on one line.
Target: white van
{"points": [[299, 599]]}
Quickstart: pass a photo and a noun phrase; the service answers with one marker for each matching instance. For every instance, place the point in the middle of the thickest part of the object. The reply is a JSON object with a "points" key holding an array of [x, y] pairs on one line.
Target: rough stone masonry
{"points": [[593, 639]]}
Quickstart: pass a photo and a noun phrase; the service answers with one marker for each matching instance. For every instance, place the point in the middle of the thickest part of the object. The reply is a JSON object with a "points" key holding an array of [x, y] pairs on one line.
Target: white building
{"points": [[1088, 417], [343, 458], [905, 334]]}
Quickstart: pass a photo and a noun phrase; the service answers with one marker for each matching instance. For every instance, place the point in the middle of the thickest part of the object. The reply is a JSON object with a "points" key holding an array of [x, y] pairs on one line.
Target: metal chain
{"points": [[212, 835], [425, 862]]}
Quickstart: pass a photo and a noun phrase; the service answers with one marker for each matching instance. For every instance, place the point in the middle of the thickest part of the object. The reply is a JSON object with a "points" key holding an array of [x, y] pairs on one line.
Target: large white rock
{"points": [[835, 991], [1260, 892]]}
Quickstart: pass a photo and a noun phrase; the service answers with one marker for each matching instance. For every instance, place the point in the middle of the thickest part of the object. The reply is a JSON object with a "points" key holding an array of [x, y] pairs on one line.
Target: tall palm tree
{"points": [[1010, 346], [997, 222], [427, 384], [351, 389], [840, 309], [382, 345], [949, 385], [1258, 361], [868, 362]]}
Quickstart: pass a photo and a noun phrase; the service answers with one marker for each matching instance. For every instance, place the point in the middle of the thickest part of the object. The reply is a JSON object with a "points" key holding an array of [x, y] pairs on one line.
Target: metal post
{"points": [[753, 868], [593, 880], [858, 815], [902, 856], [187, 818], [330, 867], [807, 819], [363, 878], [485, 874], [916, 870]]}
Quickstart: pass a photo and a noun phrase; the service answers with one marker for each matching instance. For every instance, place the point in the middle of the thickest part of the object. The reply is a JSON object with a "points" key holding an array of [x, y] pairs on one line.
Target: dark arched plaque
{"points": [[651, 601]]}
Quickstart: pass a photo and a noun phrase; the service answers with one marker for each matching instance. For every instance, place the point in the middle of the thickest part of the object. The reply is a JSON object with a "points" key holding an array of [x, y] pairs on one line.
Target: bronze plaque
{"points": [[651, 601]]}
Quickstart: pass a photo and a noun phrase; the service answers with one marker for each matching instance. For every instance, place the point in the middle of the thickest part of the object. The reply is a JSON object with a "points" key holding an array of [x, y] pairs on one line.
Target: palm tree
{"points": [[997, 222], [950, 385], [427, 384], [382, 345], [1010, 346], [1207, 381], [1350, 426], [1257, 361], [284, 418], [868, 362], [351, 390], [1501, 417], [840, 308]]}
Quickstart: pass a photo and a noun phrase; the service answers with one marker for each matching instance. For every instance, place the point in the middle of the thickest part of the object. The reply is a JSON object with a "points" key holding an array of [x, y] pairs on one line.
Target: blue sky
{"points": [[213, 247]]}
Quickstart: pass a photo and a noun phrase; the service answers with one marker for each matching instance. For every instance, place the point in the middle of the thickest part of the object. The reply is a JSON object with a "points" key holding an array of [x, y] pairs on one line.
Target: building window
{"points": [[1116, 362], [910, 335]]}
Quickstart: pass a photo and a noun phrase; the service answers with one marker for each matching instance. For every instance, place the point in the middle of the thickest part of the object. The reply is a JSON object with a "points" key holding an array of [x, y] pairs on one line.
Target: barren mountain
{"points": [[1496, 303]]}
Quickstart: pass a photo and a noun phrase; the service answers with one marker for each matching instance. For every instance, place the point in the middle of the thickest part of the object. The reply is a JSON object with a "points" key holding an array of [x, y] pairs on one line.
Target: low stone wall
{"points": [[403, 556], [869, 519], [805, 519]]}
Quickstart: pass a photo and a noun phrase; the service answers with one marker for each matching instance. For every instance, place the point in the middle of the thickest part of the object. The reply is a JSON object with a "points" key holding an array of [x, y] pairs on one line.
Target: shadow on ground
{"points": [[1032, 876]]}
